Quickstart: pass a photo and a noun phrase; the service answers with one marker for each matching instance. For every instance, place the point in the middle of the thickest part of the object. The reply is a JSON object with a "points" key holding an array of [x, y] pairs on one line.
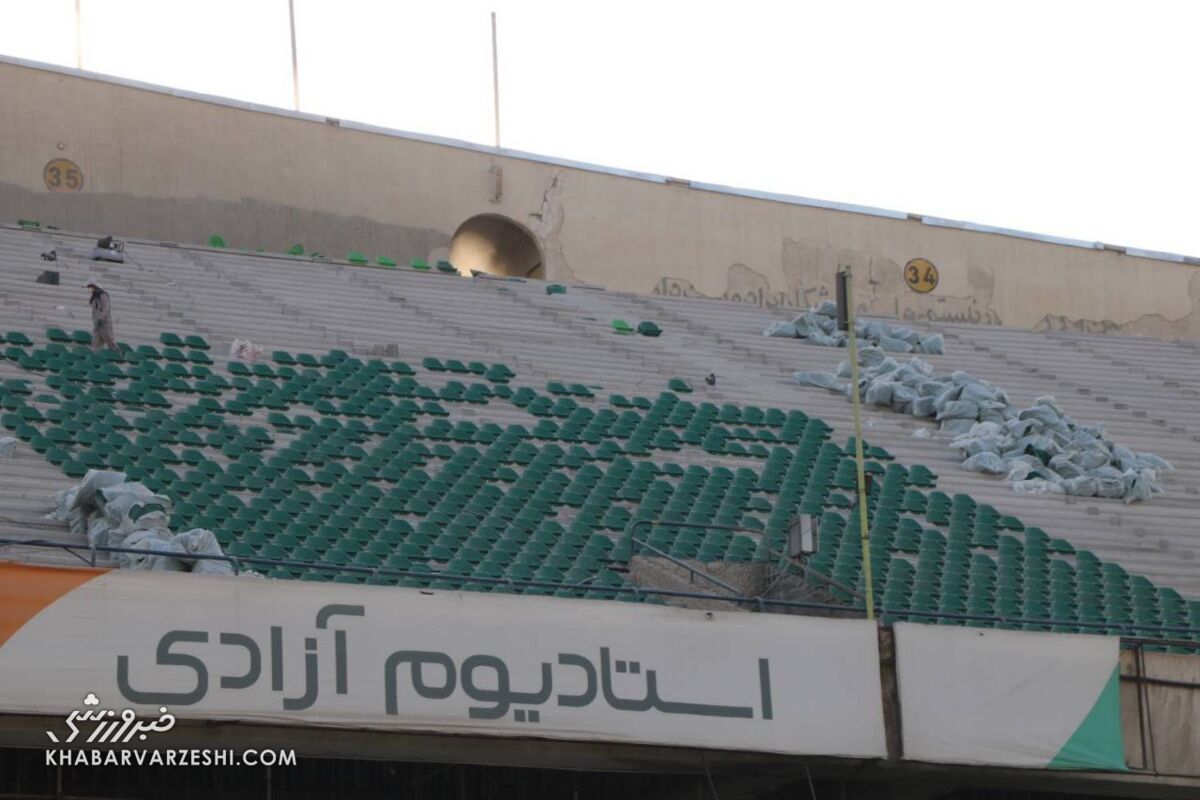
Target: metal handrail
{"points": [[808, 571], [762, 602], [693, 571], [430, 575]]}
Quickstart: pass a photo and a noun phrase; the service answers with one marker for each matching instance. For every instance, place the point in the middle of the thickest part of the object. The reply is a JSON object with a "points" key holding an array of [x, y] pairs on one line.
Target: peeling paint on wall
{"points": [[546, 224], [1156, 325], [809, 268], [250, 224]]}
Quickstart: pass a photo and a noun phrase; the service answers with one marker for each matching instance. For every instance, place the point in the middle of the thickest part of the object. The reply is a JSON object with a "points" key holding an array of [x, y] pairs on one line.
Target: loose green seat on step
{"points": [[447, 267], [419, 263], [622, 327], [296, 250], [384, 261], [648, 328], [216, 240], [555, 288], [356, 258]]}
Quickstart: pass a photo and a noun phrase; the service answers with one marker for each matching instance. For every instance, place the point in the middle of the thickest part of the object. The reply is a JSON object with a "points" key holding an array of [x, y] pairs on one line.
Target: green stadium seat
{"points": [[622, 327], [332, 460]]}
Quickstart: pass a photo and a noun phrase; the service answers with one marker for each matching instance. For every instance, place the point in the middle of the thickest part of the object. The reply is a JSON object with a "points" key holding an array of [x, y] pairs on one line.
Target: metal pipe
{"points": [[710, 578], [78, 35], [636, 591], [495, 80], [846, 278], [295, 60]]}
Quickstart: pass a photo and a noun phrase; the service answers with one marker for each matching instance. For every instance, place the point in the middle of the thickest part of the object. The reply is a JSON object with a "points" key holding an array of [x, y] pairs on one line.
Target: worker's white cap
{"points": [[93, 283]]}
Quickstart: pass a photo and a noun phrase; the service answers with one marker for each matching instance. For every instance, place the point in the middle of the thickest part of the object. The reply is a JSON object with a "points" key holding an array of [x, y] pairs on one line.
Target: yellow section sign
{"points": [[62, 175], [921, 275]]}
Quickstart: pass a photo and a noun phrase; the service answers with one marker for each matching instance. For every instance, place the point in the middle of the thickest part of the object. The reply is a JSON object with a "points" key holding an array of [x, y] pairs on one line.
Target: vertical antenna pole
{"points": [[845, 280], [495, 81], [295, 61], [78, 36]]}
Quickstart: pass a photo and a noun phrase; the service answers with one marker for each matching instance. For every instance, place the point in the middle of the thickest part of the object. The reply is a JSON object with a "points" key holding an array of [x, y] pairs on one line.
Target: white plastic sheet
{"points": [[113, 512], [819, 326]]}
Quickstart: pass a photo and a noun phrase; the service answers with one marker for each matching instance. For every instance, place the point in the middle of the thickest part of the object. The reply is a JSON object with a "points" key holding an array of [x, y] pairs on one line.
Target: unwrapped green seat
{"points": [[622, 327]]}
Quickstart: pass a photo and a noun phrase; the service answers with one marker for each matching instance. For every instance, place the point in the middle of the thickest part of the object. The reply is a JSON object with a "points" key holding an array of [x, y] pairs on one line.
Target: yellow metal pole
{"points": [[868, 581]]}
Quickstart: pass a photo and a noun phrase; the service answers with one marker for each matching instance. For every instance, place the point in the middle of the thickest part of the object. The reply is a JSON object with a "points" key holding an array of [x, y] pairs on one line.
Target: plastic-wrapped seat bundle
{"points": [[112, 512], [1039, 450], [819, 326]]}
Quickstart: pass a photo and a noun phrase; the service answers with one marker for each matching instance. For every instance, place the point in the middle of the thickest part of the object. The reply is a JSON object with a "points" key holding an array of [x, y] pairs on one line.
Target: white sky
{"points": [[1077, 119]]}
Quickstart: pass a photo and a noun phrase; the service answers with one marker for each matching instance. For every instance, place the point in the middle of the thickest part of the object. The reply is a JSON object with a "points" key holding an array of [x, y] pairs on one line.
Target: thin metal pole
{"points": [[868, 578], [495, 81], [78, 36], [295, 61]]}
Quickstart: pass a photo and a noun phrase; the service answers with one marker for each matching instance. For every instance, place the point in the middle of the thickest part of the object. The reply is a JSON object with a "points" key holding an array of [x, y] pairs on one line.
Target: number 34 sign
{"points": [[62, 175], [921, 275]]}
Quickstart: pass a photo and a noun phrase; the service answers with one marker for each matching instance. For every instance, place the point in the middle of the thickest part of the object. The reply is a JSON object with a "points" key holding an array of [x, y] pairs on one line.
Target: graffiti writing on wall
{"points": [[762, 297]]}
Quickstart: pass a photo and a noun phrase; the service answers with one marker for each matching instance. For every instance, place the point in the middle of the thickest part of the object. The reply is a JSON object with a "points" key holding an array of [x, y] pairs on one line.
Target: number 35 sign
{"points": [[921, 275], [62, 175]]}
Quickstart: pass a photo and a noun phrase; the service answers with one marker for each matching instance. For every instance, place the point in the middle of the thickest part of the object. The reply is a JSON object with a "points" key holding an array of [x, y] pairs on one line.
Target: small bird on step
{"points": [[711, 379]]}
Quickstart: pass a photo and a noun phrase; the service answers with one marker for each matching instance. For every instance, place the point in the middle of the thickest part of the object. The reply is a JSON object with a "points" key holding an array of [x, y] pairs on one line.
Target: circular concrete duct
{"points": [[496, 245]]}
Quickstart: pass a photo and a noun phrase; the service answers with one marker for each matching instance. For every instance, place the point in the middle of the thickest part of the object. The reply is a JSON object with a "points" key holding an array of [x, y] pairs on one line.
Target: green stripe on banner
{"points": [[1097, 742]]}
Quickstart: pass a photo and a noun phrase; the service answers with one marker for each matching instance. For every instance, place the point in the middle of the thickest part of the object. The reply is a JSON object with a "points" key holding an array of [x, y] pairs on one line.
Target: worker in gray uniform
{"points": [[102, 326]]}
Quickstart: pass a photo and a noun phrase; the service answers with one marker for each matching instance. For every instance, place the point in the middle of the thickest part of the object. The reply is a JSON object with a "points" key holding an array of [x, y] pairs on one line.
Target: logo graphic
{"points": [[111, 727]]}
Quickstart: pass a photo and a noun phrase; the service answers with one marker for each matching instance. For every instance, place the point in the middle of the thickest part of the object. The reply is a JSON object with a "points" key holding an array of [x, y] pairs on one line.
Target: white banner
{"points": [[1011, 698], [376, 657]]}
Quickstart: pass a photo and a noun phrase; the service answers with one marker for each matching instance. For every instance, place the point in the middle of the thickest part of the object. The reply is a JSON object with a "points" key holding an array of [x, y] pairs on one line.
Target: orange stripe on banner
{"points": [[26, 589]]}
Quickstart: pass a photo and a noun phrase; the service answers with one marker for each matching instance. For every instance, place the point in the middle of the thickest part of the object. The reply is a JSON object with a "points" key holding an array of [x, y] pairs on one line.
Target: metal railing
{"points": [[1130, 633], [808, 572]]}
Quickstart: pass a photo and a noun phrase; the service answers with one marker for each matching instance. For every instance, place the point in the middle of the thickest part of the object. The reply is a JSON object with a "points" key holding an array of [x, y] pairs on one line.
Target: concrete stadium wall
{"points": [[160, 164]]}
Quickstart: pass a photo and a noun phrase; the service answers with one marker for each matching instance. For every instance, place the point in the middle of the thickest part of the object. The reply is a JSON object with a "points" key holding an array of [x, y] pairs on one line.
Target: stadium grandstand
{"points": [[418, 467]]}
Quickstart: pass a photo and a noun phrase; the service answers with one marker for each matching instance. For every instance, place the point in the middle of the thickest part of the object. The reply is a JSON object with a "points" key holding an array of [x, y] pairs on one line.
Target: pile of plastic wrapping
{"points": [[112, 512], [1039, 450], [819, 326]]}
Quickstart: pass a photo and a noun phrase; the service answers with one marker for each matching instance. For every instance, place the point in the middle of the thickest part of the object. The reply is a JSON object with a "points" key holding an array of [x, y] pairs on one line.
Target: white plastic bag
{"points": [[823, 380], [199, 541], [244, 350]]}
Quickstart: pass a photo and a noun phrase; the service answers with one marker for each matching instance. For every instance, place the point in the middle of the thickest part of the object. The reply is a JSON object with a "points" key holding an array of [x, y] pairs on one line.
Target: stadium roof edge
{"points": [[776, 197]]}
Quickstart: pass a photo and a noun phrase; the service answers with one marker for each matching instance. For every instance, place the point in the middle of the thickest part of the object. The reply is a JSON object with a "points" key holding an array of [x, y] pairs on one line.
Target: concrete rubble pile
{"points": [[819, 326], [112, 512], [1039, 450]]}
